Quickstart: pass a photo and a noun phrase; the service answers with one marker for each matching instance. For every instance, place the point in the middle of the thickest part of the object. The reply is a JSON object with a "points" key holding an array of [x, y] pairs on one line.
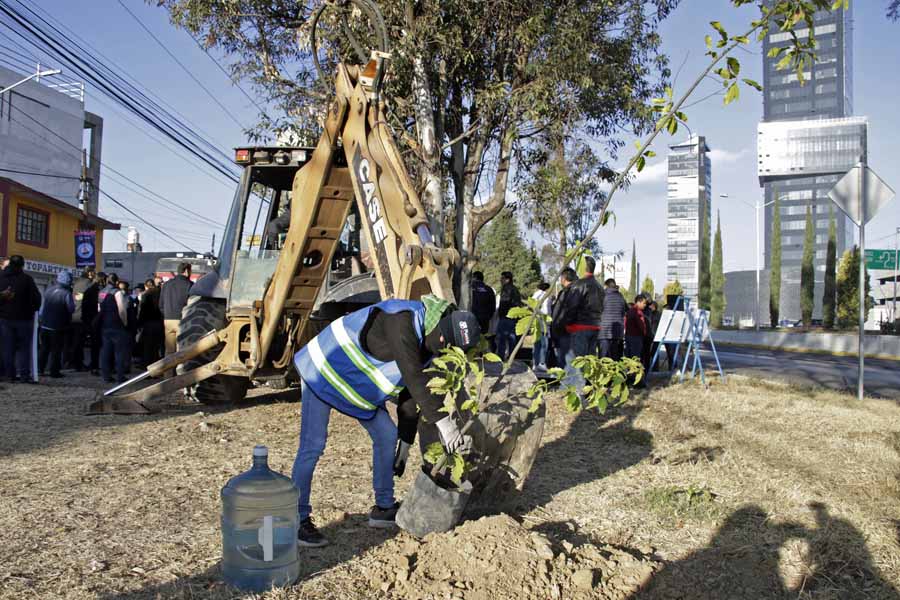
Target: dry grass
{"points": [[747, 491]]}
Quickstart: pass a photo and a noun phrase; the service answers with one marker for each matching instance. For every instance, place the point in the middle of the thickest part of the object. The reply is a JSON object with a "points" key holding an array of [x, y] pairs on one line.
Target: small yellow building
{"points": [[42, 229]]}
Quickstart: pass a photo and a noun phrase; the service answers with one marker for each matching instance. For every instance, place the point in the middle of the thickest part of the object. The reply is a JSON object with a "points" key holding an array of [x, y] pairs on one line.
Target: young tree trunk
{"points": [[429, 142]]}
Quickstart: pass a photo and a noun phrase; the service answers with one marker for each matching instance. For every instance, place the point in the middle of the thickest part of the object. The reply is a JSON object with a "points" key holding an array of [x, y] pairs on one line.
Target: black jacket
{"points": [[22, 298], [148, 309], [80, 288], [392, 337], [173, 297], [484, 301], [586, 297], [613, 319], [509, 298], [560, 314]]}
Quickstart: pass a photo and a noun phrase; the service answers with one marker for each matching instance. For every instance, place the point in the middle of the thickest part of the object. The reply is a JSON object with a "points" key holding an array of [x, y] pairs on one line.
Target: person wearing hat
{"points": [[56, 318], [357, 364]]}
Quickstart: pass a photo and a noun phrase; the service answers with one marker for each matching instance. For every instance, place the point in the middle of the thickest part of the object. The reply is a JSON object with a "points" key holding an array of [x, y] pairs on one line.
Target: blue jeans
{"points": [[506, 337], [17, 336], [580, 343], [314, 416], [634, 346], [539, 352], [116, 349], [611, 348]]}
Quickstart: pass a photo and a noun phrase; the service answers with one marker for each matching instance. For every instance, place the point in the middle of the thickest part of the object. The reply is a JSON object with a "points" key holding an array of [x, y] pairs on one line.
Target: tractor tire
{"points": [[199, 317]]}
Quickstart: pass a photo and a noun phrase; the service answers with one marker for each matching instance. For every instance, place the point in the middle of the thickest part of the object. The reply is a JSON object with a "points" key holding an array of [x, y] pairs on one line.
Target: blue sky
{"points": [[730, 131]]}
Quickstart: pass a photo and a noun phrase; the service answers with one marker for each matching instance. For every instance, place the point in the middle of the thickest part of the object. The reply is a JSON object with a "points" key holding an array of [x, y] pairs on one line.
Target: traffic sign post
{"points": [[860, 194], [884, 260]]}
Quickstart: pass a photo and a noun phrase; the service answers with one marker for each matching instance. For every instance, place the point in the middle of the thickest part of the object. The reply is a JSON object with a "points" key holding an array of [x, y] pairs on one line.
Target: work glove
{"points": [[451, 438], [400, 457]]}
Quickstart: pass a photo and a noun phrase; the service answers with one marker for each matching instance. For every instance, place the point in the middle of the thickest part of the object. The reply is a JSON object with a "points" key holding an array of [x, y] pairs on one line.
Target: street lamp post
{"points": [[758, 207], [896, 256], [37, 74]]}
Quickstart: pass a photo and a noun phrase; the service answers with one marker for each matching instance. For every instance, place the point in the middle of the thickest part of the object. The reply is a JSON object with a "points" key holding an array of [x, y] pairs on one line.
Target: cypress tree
{"points": [[807, 270], [848, 290], [704, 292], [775, 271], [717, 278], [828, 297]]}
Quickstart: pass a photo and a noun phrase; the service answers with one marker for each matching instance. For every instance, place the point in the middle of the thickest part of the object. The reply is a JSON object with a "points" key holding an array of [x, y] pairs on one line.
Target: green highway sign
{"points": [[880, 259]]}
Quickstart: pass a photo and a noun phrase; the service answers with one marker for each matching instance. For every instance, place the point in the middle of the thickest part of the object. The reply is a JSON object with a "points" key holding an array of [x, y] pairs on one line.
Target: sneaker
{"points": [[384, 518], [308, 535]]}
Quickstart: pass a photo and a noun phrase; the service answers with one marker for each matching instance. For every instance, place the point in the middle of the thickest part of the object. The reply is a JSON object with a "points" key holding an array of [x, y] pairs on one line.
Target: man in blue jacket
{"points": [[56, 318], [356, 365]]}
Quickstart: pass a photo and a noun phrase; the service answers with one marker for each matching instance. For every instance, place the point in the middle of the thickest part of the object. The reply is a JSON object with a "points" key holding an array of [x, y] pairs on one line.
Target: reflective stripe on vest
{"points": [[340, 372]]}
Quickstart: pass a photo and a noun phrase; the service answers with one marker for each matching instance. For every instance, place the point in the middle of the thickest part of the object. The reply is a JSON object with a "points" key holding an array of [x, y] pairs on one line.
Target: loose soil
{"points": [[747, 491]]}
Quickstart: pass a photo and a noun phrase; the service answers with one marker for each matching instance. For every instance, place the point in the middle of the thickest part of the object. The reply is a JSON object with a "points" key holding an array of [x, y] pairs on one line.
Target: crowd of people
{"points": [[583, 317], [95, 315]]}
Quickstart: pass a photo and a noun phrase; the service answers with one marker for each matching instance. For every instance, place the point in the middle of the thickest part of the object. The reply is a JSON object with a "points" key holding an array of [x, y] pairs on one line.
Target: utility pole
{"points": [[212, 246], [758, 207], [896, 256]]}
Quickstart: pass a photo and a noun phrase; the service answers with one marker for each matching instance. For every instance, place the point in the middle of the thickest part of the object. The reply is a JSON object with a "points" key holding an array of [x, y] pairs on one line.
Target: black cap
{"points": [[460, 328]]}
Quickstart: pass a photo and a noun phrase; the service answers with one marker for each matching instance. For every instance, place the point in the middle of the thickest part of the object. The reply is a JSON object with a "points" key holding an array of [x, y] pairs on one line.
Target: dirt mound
{"points": [[496, 557]]}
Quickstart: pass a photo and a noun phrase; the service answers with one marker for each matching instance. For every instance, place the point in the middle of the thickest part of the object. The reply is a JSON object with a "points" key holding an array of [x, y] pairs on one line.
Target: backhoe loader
{"points": [[273, 291]]}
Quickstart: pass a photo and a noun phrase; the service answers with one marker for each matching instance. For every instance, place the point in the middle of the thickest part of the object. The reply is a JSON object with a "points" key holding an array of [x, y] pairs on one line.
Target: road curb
{"points": [[800, 350]]}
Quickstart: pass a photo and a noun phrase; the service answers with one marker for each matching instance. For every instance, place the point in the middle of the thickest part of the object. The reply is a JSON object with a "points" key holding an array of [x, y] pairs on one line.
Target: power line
{"points": [[180, 64], [40, 174], [109, 168], [142, 220], [135, 100], [225, 71], [104, 63]]}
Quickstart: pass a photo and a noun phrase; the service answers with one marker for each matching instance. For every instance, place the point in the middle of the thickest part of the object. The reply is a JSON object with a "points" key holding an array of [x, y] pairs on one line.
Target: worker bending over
{"points": [[357, 364]]}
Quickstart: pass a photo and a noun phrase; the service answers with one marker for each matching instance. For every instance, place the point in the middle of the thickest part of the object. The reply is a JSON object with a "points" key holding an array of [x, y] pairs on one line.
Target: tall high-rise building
{"points": [[807, 140], [689, 195]]}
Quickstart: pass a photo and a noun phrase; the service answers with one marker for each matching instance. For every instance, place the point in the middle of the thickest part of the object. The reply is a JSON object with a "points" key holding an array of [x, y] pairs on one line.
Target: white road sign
{"points": [[846, 195]]}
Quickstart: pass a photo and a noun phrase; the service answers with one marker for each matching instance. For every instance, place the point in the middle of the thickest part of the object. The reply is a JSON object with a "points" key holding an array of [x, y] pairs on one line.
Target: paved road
{"points": [[882, 377]]}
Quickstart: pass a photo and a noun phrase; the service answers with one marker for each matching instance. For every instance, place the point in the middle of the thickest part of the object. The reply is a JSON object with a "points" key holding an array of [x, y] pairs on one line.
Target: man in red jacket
{"points": [[635, 327]]}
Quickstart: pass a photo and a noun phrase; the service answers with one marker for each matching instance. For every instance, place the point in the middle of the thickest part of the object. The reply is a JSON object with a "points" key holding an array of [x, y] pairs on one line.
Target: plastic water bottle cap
{"points": [[260, 451]]}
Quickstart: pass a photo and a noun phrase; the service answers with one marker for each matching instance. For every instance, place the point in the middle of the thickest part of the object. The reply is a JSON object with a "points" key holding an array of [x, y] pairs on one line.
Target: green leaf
{"points": [[518, 312], [773, 52], [557, 373], [573, 402], [639, 165], [734, 66], [753, 84], [649, 153], [734, 91], [522, 325], [436, 382], [718, 27], [784, 62], [492, 358], [741, 39], [709, 41], [672, 125], [471, 405], [434, 453], [457, 468]]}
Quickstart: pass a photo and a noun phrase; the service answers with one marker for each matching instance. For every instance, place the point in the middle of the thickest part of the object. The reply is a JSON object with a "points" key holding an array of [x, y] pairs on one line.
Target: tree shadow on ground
{"points": [[751, 557], [595, 447], [350, 537]]}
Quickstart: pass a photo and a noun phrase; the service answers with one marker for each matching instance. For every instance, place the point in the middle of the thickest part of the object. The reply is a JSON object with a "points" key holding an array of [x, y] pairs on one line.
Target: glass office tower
{"points": [[805, 145], [689, 208]]}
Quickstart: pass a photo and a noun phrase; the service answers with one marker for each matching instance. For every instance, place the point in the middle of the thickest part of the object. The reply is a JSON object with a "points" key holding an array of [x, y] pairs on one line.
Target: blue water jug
{"points": [[259, 528]]}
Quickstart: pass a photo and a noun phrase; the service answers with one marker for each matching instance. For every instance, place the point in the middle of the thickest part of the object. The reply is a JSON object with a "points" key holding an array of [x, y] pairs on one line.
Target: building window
{"points": [[32, 226]]}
